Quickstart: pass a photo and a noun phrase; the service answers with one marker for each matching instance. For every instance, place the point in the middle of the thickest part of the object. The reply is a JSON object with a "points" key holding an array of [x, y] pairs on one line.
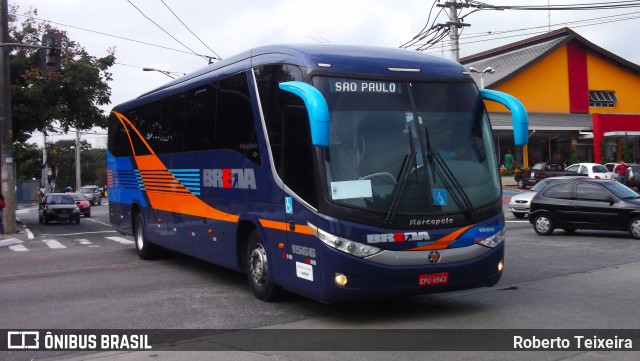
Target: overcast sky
{"points": [[229, 27]]}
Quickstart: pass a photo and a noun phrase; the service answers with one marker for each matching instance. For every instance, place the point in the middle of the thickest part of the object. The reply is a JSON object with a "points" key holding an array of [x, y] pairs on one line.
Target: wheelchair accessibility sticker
{"points": [[288, 205], [440, 197]]}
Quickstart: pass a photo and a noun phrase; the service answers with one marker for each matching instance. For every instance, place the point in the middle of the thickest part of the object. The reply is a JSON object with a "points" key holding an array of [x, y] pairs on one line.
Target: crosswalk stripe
{"points": [[53, 244], [86, 242], [120, 240], [18, 248]]}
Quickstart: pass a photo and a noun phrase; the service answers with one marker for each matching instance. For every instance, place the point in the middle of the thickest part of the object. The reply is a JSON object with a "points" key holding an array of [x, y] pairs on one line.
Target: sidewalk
{"points": [[508, 181], [10, 239]]}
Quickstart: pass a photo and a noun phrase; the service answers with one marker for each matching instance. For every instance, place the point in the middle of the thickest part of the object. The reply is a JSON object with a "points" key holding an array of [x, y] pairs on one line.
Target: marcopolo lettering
{"points": [[397, 237], [229, 178]]}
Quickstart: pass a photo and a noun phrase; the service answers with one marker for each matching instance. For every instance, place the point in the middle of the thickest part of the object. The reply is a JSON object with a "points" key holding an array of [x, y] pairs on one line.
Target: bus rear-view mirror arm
{"points": [[518, 113], [316, 108]]}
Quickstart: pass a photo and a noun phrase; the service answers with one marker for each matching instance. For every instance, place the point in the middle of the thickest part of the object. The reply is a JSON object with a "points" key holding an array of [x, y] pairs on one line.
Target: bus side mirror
{"points": [[316, 108], [518, 113]]}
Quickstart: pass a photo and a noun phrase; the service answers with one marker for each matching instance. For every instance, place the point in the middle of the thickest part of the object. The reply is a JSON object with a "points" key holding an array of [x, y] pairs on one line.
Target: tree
{"points": [[28, 159], [62, 160], [45, 99]]}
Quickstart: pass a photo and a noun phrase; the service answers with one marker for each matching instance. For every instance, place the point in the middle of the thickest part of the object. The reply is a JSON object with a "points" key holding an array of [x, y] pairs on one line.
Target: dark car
{"points": [[82, 203], [58, 207], [93, 194], [585, 203]]}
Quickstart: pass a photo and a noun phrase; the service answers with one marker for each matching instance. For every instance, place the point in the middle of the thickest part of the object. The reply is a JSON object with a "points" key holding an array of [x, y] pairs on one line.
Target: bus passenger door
{"points": [[300, 196]]}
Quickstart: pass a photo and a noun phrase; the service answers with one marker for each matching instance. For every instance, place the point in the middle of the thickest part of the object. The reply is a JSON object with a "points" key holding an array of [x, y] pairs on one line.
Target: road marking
{"points": [[85, 242], [121, 240], [77, 233], [18, 248], [53, 244]]}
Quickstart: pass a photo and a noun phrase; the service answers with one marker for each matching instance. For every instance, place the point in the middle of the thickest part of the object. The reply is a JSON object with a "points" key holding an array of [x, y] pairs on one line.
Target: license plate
{"points": [[63, 215], [432, 279]]}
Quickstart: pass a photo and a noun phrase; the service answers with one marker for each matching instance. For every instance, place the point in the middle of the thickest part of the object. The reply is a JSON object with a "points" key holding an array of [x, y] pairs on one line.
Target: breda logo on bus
{"points": [[229, 178], [398, 237]]}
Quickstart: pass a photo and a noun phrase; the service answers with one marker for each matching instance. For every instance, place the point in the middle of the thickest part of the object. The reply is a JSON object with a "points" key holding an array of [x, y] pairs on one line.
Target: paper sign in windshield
{"points": [[351, 189]]}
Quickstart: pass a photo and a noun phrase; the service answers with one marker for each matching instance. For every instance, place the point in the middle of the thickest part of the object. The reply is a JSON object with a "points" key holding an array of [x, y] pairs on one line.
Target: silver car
{"points": [[520, 203]]}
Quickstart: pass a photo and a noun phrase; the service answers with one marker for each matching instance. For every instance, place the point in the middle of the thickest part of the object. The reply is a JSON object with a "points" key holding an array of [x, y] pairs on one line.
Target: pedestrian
{"points": [[621, 172], [508, 161], [2, 204], [40, 194]]}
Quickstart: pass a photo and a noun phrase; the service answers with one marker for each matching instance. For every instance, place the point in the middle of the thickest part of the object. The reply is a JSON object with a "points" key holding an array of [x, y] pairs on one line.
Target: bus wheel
{"points": [[146, 250], [634, 228], [543, 225], [257, 269]]}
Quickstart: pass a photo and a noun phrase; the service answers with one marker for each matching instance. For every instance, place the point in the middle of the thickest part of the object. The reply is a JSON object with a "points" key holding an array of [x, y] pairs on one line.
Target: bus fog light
{"points": [[500, 266], [340, 280]]}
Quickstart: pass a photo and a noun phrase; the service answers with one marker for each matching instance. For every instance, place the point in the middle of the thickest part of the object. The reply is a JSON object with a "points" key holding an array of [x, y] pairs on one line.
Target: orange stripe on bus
{"points": [[443, 242]]}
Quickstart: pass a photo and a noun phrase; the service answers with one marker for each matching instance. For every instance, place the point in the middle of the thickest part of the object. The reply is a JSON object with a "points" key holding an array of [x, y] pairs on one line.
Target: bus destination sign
{"points": [[363, 86]]}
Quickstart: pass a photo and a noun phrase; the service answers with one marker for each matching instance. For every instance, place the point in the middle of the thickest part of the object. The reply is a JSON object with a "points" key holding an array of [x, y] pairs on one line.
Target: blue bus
{"points": [[335, 172]]}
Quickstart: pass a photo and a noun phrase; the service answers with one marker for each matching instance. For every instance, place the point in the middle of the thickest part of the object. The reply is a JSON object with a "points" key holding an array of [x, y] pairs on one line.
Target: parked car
{"points": [[58, 207], [93, 194], [82, 203], [585, 203], [592, 170], [540, 171], [519, 204]]}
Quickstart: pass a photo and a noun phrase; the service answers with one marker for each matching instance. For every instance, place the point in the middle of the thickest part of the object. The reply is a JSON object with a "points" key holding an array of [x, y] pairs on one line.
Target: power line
{"points": [[161, 28], [436, 32], [532, 32], [576, 24], [192, 33], [111, 35]]}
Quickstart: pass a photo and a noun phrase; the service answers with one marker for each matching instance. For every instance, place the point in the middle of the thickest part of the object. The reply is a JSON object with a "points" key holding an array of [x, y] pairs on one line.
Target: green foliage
{"points": [[603, 152], [627, 149], [574, 157], [28, 159], [67, 99]]}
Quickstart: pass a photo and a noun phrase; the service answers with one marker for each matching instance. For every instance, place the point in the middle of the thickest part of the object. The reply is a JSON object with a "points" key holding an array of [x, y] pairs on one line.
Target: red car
{"points": [[82, 203]]}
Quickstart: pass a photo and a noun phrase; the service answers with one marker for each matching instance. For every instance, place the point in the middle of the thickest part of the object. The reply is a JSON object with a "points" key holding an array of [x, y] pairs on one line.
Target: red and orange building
{"points": [[580, 98]]}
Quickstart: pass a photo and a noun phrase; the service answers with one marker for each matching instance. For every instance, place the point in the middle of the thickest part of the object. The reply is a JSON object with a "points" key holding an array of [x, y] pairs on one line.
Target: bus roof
{"points": [[348, 59]]}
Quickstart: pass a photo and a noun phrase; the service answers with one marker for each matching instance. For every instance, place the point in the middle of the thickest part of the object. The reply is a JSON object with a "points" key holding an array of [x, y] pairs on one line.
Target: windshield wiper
{"points": [[450, 181], [405, 170]]}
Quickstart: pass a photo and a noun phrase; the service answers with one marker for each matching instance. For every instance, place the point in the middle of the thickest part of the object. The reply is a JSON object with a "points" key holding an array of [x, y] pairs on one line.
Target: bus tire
{"points": [[146, 250], [257, 269], [543, 225], [634, 228]]}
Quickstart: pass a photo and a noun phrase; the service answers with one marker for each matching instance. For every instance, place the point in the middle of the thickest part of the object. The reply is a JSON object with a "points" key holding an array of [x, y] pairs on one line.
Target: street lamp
{"points": [[488, 69], [167, 73]]}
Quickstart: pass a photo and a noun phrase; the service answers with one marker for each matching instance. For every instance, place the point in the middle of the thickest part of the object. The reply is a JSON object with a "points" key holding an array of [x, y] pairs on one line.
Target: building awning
{"points": [[621, 133], [546, 121]]}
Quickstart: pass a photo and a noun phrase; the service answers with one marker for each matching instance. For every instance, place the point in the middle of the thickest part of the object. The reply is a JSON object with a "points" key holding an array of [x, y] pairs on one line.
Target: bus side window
{"points": [[297, 165], [235, 129], [201, 121]]}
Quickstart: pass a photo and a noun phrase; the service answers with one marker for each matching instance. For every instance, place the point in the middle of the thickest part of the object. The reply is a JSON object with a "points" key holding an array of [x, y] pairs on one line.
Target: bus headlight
{"points": [[494, 240], [345, 245]]}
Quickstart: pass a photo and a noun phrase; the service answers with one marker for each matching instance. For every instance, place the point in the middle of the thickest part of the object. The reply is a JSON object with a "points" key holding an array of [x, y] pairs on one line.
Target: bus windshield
{"points": [[408, 148]]}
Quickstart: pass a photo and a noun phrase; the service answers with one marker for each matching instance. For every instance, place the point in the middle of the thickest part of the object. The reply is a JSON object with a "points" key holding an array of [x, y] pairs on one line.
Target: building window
{"points": [[602, 98]]}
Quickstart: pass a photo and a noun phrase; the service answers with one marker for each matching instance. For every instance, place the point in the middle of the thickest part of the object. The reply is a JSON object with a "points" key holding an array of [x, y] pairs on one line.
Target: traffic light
{"points": [[51, 54]]}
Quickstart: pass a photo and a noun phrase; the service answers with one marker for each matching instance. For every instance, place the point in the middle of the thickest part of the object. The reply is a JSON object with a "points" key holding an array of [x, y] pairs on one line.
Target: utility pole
{"points": [[78, 181], [6, 127], [453, 30], [454, 25]]}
